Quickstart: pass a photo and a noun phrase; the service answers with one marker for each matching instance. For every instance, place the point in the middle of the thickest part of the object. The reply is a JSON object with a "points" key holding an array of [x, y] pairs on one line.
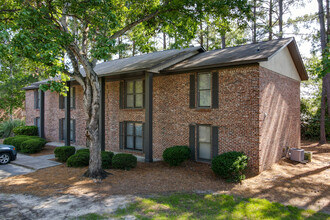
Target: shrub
{"points": [[6, 127], [176, 155], [32, 145], [63, 153], [78, 160], [16, 141], [124, 161], [230, 165], [106, 159], [85, 150], [26, 130], [8, 140]]}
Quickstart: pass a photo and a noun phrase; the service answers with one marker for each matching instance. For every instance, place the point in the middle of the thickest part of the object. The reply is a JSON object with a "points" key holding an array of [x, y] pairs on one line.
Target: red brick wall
{"points": [[279, 116], [31, 113]]}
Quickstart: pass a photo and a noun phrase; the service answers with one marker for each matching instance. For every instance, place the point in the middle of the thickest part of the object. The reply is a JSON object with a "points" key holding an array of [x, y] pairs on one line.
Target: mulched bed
{"points": [[46, 151], [304, 185]]}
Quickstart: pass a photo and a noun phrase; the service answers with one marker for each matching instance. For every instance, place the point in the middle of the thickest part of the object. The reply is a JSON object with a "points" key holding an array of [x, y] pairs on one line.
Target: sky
{"points": [[310, 7]]}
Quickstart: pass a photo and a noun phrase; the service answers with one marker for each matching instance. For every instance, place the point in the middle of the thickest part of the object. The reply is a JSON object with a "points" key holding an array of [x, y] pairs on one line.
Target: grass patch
{"points": [[193, 206]]}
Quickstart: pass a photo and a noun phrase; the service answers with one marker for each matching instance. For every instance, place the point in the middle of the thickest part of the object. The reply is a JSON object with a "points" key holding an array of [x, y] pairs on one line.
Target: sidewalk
{"points": [[35, 163]]}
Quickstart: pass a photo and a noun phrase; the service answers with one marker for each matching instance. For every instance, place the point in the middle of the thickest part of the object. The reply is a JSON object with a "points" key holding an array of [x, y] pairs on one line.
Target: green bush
{"points": [[230, 166], [26, 130], [63, 153], [106, 159], [6, 127], [78, 160], [124, 161], [9, 140], [16, 141], [174, 156], [32, 145], [85, 150]]}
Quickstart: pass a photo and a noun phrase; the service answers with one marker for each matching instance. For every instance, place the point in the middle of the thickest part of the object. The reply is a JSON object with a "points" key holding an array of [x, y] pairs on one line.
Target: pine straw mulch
{"points": [[304, 185]]}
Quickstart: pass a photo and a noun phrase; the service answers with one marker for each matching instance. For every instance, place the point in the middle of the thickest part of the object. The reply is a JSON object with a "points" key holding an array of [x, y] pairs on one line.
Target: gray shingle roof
{"points": [[142, 62], [245, 54]]}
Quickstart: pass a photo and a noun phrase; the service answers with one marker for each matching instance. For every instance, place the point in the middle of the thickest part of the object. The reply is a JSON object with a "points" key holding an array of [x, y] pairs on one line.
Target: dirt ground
{"points": [[46, 151], [303, 185]]}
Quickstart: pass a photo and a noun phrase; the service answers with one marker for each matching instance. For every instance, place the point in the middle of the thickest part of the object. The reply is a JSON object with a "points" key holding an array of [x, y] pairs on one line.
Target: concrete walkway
{"points": [[17, 207], [13, 170], [35, 163]]}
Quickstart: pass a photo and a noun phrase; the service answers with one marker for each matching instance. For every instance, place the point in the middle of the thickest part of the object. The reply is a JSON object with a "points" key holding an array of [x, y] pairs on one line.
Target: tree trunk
{"points": [[322, 25], [133, 48], [164, 41], [201, 34], [280, 20], [254, 34], [325, 98], [270, 20], [91, 98], [120, 51], [207, 37], [328, 21], [223, 40]]}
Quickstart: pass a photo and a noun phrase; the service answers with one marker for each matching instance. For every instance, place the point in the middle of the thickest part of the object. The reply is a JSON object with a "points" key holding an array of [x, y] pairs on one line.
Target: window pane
{"points": [[138, 100], [138, 129], [130, 142], [139, 86], [138, 143], [205, 98], [204, 133], [129, 88], [204, 81], [130, 101], [129, 129], [204, 151]]}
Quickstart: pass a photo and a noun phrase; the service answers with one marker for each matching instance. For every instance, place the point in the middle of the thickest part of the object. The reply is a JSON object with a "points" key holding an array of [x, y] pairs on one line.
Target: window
{"points": [[72, 129], [204, 89], [134, 94], [37, 98], [204, 142], [37, 123], [61, 101], [134, 136], [72, 99]]}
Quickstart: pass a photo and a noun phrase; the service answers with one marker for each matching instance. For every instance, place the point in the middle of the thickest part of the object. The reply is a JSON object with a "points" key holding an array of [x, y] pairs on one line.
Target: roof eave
{"points": [[294, 51]]}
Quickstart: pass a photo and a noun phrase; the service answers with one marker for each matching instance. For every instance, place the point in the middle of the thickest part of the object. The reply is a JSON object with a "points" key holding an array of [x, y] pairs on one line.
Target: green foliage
{"points": [[16, 141], [63, 153], [106, 159], [211, 206], [6, 127], [78, 160], [26, 130], [32, 145], [124, 161], [86, 150], [174, 156], [230, 165]]}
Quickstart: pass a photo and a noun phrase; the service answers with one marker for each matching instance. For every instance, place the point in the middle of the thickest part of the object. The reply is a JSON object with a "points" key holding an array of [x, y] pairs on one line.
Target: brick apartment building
{"points": [[244, 98]]}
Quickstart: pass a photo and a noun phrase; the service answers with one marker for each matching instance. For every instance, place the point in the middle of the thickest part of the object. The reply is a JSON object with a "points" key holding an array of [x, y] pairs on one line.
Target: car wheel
{"points": [[4, 158]]}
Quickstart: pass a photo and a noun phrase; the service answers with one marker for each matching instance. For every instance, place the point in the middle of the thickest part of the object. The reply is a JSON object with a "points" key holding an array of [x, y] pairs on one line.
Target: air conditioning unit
{"points": [[297, 154]]}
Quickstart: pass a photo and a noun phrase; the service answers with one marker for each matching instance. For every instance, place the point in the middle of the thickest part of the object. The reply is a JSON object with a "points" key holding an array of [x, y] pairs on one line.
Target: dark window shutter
{"points": [[192, 96], [35, 99], [143, 137], [215, 90], [215, 141], [73, 98], [73, 130], [60, 129], [61, 101], [144, 90], [121, 95], [192, 140], [121, 135]]}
